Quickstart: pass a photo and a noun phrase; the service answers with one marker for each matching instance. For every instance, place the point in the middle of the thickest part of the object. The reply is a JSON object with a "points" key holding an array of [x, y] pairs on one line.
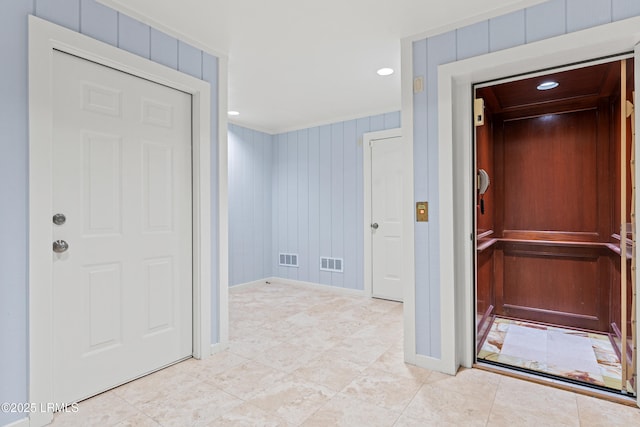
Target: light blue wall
{"points": [[102, 23], [539, 22], [250, 167], [299, 192], [317, 194]]}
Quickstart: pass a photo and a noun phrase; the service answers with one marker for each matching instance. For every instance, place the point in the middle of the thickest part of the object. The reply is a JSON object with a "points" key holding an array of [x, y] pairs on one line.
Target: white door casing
{"points": [[455, 81], [386, 218], [44, 38], [392, 265], [122, 178]]}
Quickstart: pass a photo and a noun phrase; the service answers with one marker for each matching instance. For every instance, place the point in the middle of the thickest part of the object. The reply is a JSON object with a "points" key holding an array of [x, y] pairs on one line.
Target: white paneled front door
{"points": [[122, 290], [386, 215]]}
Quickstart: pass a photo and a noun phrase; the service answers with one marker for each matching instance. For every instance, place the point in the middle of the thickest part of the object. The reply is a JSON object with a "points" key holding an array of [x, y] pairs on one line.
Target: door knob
{"points": [[374, 225], [60, 246]]}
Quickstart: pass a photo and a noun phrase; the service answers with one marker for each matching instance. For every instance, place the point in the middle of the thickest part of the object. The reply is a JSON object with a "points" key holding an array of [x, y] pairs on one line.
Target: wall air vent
{"points": [[331, 264], [289, 260]]}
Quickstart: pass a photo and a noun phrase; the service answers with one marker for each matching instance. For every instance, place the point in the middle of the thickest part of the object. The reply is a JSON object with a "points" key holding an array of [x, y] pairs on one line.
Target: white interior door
{"points": [[122, 290], [386, 216]]}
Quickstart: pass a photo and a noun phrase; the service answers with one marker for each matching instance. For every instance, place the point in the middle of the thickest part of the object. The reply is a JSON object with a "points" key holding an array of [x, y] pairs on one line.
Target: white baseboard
{"points": [[434, 364], [218, 347], [292, 282], [248, 284], [22, 422]]}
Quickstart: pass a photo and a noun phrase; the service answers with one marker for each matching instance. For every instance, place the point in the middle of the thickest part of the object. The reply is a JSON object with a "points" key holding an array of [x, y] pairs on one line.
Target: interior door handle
{"points": [[374, 225], [60, 246]]}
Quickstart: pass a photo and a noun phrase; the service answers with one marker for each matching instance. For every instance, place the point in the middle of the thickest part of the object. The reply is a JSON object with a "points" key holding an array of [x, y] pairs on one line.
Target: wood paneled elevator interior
{"points": [[548, 226]]}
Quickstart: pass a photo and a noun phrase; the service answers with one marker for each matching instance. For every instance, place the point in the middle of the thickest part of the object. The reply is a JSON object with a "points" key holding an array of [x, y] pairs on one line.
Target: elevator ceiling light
{"points": [[233, 113], [385, 71], [548, 85]]}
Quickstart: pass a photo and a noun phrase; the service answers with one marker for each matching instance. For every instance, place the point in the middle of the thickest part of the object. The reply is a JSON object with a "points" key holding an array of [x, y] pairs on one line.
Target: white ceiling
{"points": [[300, 63]]}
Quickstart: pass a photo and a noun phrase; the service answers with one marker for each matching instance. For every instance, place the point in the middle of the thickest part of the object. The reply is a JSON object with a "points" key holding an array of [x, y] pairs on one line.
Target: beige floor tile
{"points": [[102, 410], [436, 405], [346, 411], [247, 380], [519, 402], [286, 357], [600, 413], [392, 361], [293, 399], [138, 420], [198, 405], [154, 386], [381, 388], [330, 372], [247, 415]]}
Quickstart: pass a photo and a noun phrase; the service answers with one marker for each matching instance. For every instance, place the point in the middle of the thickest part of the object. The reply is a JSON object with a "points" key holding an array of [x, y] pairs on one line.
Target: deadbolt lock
{"points": [[59, 219]]}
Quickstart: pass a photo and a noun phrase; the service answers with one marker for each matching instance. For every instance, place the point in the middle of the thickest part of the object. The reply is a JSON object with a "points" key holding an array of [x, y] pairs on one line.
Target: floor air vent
{"points": [[289, 260], [331, 264]]}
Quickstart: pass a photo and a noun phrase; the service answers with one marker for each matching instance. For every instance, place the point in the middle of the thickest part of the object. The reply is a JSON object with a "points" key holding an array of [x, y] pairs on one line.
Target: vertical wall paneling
{"points": [[472, 40], [303, 205], [362, 127], [266, 208], [376, 123], [507, 31], [275, 206], [546, 20], [325, 210], [583, 14], [234, 254], [292, 198], [209, 74], [189, 60], [351, 223], [99, 22], [314, 205], [14, 207], [622, 9], [440, 50], [421, 181], [337, 198], [134, 36], [283, 201], [164, 50], [250, 205], [62, 12], [392, 120]]}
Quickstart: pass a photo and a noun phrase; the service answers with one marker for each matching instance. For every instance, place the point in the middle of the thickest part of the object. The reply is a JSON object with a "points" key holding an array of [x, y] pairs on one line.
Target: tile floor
{"points": [[301, 356], [584, 356]]}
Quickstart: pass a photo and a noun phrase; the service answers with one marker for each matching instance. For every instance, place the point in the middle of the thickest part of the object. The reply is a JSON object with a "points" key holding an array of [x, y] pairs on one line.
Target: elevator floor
{"points": [[577, 355]]}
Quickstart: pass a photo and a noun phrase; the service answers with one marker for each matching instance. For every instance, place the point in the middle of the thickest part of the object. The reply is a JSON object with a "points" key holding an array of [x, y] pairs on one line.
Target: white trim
{"points": [[333, 120], [139, 16], [22, 422], [218, 348], [44, 37], [367, 140], [223, 204], [492, 13], [316, 286], [455, 82], [250, 284], [409, 307]]}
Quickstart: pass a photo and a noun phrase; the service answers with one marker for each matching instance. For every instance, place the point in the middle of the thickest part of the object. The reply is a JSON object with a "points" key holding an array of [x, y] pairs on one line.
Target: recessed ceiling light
{"points": [[548, 85], [385, 71], [233, 113]]}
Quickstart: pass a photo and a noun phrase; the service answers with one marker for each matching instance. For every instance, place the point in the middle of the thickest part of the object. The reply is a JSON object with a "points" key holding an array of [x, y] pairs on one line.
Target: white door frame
{"points": [[455, 150], [408, 276], [44, 38]]}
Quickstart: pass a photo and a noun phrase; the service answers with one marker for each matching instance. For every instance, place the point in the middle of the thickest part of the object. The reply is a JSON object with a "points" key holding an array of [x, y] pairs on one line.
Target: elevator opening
{"points": [[555, 226]]}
